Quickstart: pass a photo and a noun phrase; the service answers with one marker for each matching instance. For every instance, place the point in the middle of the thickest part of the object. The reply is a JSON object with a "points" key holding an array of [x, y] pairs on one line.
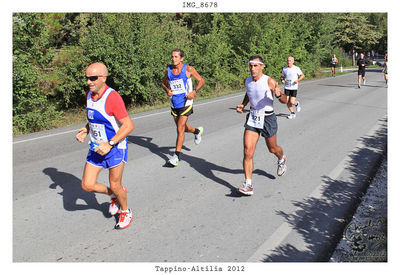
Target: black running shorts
{"points": [[291, 93], [185, 111]]}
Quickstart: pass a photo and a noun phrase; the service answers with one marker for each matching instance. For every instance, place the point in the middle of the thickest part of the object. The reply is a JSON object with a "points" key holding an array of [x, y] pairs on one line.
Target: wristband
{"points": [[278, 96], [196, 90]]}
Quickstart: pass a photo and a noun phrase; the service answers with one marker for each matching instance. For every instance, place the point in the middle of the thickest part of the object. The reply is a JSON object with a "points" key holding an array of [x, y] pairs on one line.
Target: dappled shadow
{"points": [[355, 85], [205, 168], [320, 220], [72, 191]]}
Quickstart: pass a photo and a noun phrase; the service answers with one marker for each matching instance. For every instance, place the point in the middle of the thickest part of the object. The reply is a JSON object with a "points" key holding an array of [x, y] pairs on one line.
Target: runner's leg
{"points": [[181, 126], [293, 101], [250, 139], [273, 147], [115, 178], [89, 180]]}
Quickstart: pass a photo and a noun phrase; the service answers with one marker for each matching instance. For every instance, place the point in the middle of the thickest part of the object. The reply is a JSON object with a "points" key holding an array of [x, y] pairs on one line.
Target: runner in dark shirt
{"points": [[361, 63]]}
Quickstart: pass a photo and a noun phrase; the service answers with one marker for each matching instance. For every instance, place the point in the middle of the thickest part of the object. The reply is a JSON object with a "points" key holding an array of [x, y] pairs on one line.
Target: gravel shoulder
{"points": [[365, 237]]}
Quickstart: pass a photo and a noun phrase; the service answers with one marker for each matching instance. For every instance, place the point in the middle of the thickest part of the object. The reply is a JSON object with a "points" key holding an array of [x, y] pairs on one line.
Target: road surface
{"points": [[193, 213]]}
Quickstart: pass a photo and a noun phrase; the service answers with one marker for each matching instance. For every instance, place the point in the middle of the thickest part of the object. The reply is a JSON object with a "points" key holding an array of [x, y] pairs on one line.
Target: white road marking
{"points": [[135, 118], [280, 234]]}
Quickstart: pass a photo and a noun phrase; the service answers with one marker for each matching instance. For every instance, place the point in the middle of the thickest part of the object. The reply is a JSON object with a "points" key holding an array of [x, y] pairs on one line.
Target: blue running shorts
{"points": [[112, 159]]}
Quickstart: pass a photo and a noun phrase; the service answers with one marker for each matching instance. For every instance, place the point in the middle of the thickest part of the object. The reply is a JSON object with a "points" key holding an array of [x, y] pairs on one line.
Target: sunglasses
{"points": [[93, 78]]}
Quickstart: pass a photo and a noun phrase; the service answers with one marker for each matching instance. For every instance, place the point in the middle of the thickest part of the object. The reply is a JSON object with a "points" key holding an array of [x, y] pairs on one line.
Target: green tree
{"points": [[353, 32]]}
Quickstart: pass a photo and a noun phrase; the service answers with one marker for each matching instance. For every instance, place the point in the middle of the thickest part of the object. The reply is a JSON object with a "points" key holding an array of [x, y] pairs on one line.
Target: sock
{"points": [[178, 154], [280, 161], [248, 181], [196, 131], [292, 112]]}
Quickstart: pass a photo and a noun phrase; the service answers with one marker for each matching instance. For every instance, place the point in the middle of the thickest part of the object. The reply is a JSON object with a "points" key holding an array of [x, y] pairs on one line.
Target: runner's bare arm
{"points": [[240, 107], [164, 84], [302, 76], [274, 87], [82, 133], [191, 71]]}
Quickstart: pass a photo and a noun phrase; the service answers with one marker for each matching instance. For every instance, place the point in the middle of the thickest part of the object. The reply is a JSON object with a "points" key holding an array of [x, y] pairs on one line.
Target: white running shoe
{"points": [[246, 189], [197, 138], [298, 108], [174, 160], [125, 219], [113, 209], [291, 116], [282, 166]]}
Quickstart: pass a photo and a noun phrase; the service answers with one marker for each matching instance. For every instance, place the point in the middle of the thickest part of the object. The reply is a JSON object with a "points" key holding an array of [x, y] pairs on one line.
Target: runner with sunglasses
{"points": [[108, 127]]}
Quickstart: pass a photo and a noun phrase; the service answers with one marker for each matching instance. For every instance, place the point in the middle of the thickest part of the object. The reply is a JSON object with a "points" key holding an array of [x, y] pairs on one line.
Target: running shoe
{"points": [[197, 138], [298, 108], [125, 219], [246, 189], [291, 116], [282, 166], [113, 209], [174, 160]]}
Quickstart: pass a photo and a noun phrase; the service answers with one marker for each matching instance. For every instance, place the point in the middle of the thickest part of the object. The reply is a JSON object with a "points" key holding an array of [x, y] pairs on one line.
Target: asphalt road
{"points": [[192, 213]]}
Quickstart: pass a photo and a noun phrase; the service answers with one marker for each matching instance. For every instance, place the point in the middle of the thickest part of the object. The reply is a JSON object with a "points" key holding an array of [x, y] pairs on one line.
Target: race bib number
{"points": [[177, 86], [256, 119], [98, 132]]}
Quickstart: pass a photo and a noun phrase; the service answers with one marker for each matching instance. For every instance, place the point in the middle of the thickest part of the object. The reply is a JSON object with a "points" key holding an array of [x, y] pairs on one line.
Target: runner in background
{"points": [[384, 70], [361, 63], [178, 85], [291, 76], [334, 63]]}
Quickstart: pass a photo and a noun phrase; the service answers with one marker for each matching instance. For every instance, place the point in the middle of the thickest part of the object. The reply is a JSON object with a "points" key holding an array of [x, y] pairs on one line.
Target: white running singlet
{"points": [[260, 96], [291, 75]]}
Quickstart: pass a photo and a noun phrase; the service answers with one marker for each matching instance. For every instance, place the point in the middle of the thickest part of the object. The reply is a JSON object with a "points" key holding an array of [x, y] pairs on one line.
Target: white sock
{"points": [[248, 181]]}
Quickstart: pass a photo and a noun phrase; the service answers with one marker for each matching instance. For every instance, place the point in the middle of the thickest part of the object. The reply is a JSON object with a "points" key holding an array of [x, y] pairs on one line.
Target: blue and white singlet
{"points": [[103, 126], [180, 85]]}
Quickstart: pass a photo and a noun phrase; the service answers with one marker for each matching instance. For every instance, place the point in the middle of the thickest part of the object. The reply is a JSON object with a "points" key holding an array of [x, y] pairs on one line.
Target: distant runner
{"points": [[260, 90], [108, 127], [334, 63], [178, 85], [384, 70], [291, 76], [361, 63]]}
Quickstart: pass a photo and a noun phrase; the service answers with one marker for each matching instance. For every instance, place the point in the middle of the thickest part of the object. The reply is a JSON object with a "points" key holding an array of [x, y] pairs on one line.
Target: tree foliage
{"points": [[353, 32], [52, 50]]}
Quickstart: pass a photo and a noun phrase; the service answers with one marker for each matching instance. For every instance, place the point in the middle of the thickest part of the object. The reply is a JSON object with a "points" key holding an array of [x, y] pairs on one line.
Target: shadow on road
{"points": [[205, 168], [354, 86], [320, 221], [72, 191]]}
